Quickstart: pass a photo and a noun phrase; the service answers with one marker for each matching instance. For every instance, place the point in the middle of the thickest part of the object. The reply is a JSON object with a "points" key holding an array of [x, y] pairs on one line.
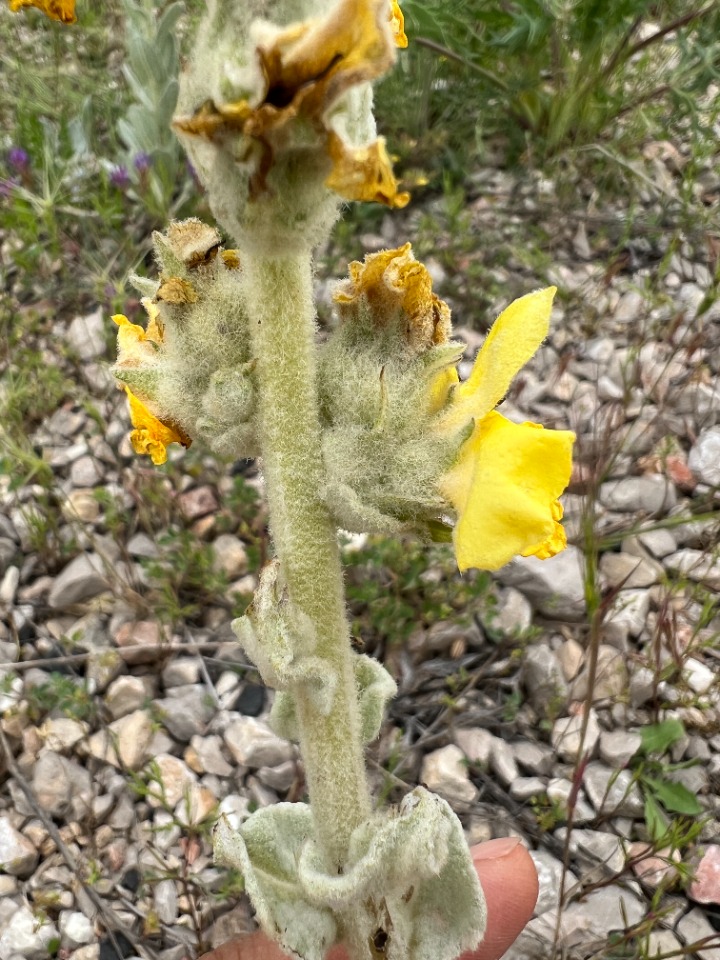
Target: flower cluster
{"points": [[185, 371], [406, 442]]}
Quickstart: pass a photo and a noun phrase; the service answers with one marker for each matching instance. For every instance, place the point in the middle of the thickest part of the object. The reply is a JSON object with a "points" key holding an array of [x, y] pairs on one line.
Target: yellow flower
{"points": [[151, 435], [306, 68], [62, 10], [506, 481]]}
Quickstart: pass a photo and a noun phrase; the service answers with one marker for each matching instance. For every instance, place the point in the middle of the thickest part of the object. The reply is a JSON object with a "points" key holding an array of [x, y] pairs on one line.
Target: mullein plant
{"points": [[369, 431]]}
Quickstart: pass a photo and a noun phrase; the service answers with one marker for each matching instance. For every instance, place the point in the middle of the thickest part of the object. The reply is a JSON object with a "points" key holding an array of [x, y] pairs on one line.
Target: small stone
{"points": [[647, 494], [126, 742], [83, 578], [476, 743], [9, 585], [127, 694], [642, 686], [607, 909], [554, 586], [140, 641], [62, 733], [567, 740], [626, 571], [617, 747], [610, 676], [81, 504], [186, 714], [75, 929], [279, 778], [27, 935], [570, 656], [251, 701], [181, 672], [165, 899], [704, 457], [198, 502], [210, 756], [523, 788], [705, 887], [659, 542], [87, 335], [513, 613], [694, 927], [550, 873], [57, 782], [698, 565], [537, 758], [18, 856], [502, 761], [168, 779], [86, 472], [253, 744], [698, 677], [612, 791], [662, 944], [629, 307], [230, 556], [543, 679], [628, 617], [445, 773], [141, 547], [653, 867], [596, 845]]}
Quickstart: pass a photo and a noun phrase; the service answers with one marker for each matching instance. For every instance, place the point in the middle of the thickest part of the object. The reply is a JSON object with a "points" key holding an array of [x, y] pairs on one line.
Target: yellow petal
{"points": [[397, 25], [62, 10], [363, 173], [504, 488], [151, 436], [134, 343], [515, 336]]}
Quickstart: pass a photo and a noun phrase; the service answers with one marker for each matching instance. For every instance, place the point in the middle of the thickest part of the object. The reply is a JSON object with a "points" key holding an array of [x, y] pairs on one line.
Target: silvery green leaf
{"points": [[375, 688], [266, 850], [409, 875]]}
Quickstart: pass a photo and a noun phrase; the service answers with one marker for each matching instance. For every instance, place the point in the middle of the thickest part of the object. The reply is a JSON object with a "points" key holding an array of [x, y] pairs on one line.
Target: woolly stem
{"points": [[280, 305]]}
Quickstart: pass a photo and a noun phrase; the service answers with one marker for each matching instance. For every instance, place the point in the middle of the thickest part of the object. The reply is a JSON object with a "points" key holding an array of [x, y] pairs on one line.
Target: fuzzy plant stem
{"points": [[280, 305]]}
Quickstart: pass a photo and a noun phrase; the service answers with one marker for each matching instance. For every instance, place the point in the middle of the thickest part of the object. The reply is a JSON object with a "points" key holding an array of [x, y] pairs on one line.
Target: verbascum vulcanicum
{"points": [[62, 10], [370, 430]]}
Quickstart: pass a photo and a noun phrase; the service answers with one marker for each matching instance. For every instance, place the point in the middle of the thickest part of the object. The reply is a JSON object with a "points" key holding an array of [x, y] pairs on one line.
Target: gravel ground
{"points": [[123, 737]]}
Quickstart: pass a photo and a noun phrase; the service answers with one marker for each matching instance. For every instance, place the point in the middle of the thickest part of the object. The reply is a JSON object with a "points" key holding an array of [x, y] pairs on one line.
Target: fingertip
{"points": [[510, 883]]}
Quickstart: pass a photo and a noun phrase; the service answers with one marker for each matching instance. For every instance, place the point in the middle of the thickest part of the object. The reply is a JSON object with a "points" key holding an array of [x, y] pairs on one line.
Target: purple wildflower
{"points": [[18, 159], [143, 162], [7, 187], [119, 178]]}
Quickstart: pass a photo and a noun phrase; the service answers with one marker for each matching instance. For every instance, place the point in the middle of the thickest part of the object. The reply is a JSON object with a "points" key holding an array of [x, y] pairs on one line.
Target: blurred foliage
{"points": [[396, 586], [544, 76]]}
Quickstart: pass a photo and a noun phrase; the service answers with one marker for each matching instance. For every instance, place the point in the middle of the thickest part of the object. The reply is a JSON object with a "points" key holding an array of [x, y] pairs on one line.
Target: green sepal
{"points": [[143, 381], [144, 285]]}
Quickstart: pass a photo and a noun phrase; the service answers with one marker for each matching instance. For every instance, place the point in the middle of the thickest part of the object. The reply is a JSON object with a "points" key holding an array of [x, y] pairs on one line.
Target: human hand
{"points": [[508, 878]]}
